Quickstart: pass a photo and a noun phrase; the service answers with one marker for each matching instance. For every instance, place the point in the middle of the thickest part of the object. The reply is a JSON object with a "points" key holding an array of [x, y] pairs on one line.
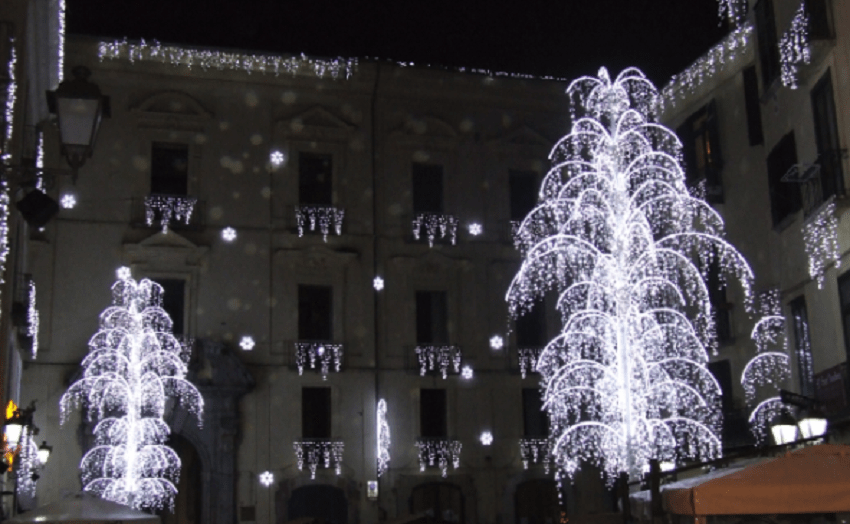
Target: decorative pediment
{"points": [[165, 251], [315, 257], [425, 131], [314, 123], [522, 136], [172, 110]]}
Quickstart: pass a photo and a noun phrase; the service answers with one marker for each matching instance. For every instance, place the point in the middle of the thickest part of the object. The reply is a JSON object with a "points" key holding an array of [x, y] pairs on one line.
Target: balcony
{"points": [[178, 212], [528, 358], [438, 452], [440, 358], [320, 356], [436, 226], [315, 453], [535, 451], [308, 217]]}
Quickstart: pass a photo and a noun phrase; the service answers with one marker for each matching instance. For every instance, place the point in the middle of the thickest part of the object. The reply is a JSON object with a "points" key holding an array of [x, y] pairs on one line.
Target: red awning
{"points": [[815, 479]]}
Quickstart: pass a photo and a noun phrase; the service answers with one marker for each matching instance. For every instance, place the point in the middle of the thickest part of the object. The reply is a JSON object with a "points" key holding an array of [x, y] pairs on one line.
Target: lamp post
{"points": [[812, 420], [784, 428]]}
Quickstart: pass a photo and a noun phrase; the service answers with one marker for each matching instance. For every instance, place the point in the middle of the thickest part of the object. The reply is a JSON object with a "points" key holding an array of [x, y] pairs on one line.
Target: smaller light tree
{"points": [[134, 364]]}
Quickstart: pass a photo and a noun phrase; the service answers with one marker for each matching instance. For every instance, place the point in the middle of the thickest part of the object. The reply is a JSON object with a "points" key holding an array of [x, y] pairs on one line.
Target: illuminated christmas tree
{"points": [[626, 248], [134, 365]]}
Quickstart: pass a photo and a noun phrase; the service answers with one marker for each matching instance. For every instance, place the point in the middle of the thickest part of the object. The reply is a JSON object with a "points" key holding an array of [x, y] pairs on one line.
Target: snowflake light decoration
{"points": [[276, 158], [625, 245], [383, 438], [466, 372], [378, 283], [497, 342], [486, 438], [266, 478], [134, 366], [475, 229], [247, 343], [228, 234], [123, 273], [68, 201]]}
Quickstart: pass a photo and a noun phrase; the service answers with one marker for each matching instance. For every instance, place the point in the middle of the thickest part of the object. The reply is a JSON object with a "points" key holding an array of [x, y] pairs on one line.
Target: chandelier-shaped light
{"points": [[323, 215], [534, 450], [764, 373], [327, 356], [820, 235], [625, 246], [383, 438], [134, 365], [435, 224], [794, 47], [439, 452], [442, 358], [315, 453], [169, 207]]}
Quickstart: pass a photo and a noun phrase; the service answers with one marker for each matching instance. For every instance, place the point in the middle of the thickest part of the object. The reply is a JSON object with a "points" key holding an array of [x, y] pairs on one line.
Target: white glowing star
{"points": [[228, 234], [68, 201], [378, 283], [276, 158], [497, 342], [247, 343], [266, 478], [486, 438], [123, 273], [475, 229], [466, 372]]}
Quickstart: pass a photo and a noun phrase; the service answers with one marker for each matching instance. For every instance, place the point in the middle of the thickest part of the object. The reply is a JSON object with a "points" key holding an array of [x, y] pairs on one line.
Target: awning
{"points": [[815, 479], [84, 508]]}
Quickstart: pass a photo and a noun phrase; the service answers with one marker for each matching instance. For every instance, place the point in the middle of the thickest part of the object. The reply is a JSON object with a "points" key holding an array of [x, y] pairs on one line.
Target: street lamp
{"points": [[812, 423], [79, 107], [44, 452], [784, 428]]}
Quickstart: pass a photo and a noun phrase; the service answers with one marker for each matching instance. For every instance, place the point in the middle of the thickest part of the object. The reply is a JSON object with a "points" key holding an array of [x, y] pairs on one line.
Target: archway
{"points": [[324, 502], [187, 504], [442, 501], [536, 502]]}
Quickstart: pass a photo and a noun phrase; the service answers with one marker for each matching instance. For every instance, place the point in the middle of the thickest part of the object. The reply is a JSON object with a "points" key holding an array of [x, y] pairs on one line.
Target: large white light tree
{"points": [[134, 365], [624, 247]]}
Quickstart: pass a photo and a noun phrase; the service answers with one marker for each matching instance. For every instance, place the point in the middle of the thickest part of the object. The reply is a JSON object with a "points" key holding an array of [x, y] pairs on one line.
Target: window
{"points": [[316, 413], [802, 345], [169, 169], [174, 302], [315, 314], [315, 179], [753, 105], [784, 196], [719, 305], [535, 421], [767, 41], [427, 188], [826, 136], [523, 188], [531, 328], [820, 22], [431, 318], [432, 413], [701, 149]]}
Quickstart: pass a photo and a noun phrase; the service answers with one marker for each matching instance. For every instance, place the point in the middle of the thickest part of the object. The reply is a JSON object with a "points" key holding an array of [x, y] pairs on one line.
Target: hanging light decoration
{"points": [[383, 434]]}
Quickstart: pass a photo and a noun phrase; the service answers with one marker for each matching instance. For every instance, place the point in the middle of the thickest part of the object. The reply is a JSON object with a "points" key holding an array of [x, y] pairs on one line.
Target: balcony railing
{"points": [[438, 452], [309, 217], [528, 358], [322, 354], [316, 453], [440, 358], [178, 212], [435, 225], [535, 451]]}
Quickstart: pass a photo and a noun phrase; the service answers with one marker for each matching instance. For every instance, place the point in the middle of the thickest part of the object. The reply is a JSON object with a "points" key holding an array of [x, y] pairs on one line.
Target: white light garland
{"points": [[39, 160], [820, 235], [497, 342], [434, 223], [134, 366], [439, 452], [335, 68], [528, 358], [32, 318], [323, 215], [534, 450], [794, 47], [325, 354], [228, 234], [383, 437], [315, 453], [11, 98], [378, 283], [735, 11], [684, 84], [442, 357], [169, 207], [266, 478], [68, 201], [626, 248], [28, 464], [247, 343], [60, 48]]}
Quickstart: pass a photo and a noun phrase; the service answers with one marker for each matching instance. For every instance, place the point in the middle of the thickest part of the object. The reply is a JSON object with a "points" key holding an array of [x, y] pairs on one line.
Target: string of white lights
{"points": [[383, 435], [820, 236], [794, 47]]}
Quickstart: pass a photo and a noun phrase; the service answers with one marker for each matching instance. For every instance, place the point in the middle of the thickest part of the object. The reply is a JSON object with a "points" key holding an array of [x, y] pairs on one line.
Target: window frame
{"points": [[304, 190], [304, 332], [154, 186], [313, 421], [419, 171]]}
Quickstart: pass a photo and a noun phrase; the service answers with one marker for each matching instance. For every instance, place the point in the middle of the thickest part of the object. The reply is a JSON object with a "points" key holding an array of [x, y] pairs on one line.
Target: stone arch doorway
{"points": [[324, 502], [536, 502], [442, 501], [188, 502]]}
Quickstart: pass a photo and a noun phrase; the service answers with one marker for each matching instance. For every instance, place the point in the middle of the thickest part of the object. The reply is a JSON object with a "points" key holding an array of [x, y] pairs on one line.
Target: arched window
{"points": [[537, 502], [441, 500], [323, 502]]}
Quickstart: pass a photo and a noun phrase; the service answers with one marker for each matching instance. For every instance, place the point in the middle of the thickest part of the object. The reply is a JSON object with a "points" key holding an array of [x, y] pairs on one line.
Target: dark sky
{"points": [[564, 38]]}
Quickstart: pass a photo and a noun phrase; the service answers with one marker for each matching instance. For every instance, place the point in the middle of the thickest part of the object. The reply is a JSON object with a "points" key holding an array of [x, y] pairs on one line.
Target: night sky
{"points": [[563, 38]]}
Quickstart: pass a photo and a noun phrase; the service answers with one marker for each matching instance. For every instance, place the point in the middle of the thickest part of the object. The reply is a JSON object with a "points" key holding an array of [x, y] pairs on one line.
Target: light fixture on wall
{"points": [[784, 428]]}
